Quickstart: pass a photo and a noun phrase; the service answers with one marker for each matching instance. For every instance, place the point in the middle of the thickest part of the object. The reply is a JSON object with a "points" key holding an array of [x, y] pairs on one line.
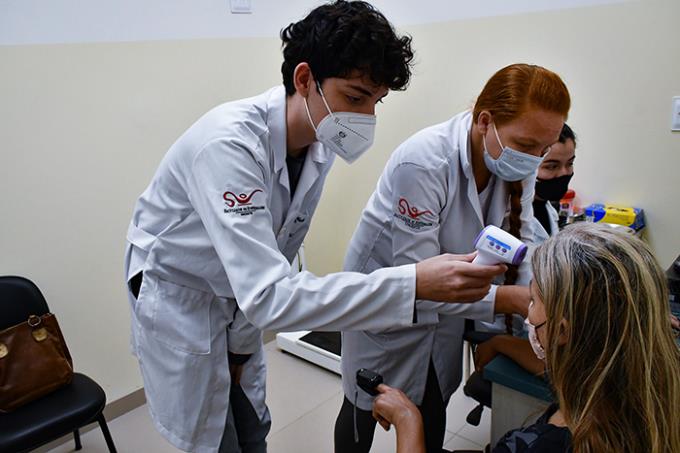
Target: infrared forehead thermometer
{"points": [[496, 246]]}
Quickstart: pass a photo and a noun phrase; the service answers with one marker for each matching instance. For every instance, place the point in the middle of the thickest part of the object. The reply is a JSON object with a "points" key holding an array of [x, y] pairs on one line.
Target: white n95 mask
{"points": [[347, 134], [511, 165]]}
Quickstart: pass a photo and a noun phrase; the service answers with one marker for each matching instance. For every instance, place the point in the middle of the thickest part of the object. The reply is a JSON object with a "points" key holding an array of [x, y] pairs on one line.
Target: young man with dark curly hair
{"points": [[212, 237]]}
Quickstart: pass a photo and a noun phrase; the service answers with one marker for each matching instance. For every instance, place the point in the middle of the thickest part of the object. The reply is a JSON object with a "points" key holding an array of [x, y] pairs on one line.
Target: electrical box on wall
{"points": [[241, 6], [675, 119]]}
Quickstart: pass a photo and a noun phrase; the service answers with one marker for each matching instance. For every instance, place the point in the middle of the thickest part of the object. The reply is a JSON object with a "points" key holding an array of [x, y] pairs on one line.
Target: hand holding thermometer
{"points": [[496, 246]]}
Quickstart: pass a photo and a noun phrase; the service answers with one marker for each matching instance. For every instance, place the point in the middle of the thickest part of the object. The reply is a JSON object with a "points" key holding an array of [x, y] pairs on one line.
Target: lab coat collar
{"points": [[319, 153], [461, 136], [316, 158], [276, 122], [463, 141]]}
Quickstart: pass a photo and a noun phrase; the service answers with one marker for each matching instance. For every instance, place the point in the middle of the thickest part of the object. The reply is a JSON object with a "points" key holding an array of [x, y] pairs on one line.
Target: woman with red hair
{"points": [[440, 188]]}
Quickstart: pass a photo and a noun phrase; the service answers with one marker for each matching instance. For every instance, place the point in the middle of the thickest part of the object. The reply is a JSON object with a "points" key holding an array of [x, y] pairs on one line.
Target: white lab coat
{"points": [[539, 232], [216, 225], [426, 203]]}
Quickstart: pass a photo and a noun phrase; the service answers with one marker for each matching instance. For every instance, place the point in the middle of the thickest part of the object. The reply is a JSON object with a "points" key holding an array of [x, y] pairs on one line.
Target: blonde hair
{"points": [[617, 377]]}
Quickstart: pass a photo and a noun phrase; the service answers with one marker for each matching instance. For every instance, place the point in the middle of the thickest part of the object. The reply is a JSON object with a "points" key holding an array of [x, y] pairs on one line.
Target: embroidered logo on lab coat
{"points": [[410, 215], [241, 203]]}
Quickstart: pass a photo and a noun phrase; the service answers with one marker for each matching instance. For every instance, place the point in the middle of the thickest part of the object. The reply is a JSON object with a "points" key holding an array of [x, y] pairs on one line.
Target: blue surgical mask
{"points": [[511, 165]]}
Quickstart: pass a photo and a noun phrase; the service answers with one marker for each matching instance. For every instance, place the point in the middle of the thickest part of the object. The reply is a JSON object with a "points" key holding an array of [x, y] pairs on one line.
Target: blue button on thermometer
{"points": [[496, 246]]}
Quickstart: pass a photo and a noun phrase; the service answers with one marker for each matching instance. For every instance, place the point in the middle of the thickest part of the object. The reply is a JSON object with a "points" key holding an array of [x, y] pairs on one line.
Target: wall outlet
{"points": [[241, 6], [675, 119]]}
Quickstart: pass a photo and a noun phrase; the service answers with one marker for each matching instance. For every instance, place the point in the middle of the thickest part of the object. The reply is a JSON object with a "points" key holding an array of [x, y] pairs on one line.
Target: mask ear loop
{"points": [[540, 159], [309, 116], [498, 137], [486, 148], [323, 98]]}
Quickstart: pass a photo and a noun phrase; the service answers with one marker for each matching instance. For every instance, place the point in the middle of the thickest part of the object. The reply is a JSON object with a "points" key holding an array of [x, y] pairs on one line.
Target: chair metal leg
{"points": [[107, 435], [76, 438], [467, 361]]}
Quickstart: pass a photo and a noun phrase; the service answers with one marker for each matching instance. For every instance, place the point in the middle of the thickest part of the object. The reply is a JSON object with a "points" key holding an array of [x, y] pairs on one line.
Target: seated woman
{"points": [[552, 183], [599, 328]]}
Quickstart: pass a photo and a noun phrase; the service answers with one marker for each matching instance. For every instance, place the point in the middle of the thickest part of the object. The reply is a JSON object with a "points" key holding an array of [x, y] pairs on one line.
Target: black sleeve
{"points": [[536, 438], [556, 440]]}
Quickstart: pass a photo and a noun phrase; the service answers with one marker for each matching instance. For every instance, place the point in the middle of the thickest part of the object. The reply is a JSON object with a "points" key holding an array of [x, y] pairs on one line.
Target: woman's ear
{"points": [[303, 79], [484, 121], [563, 337]]}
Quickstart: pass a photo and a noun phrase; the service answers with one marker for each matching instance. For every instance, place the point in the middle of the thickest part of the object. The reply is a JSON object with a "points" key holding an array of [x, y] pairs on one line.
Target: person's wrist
{"points": [[514, 300], [408, 417], [420, 275], [502, 343], [521, 302], [520, 307], [494, 342]]}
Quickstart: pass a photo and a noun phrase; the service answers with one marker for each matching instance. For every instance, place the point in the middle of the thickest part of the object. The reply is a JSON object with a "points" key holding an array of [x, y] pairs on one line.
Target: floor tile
{"points": [[295, 386], [481, 434], [132, 432], [458, 409], [313, 432], [304, 400], [459, 443]]}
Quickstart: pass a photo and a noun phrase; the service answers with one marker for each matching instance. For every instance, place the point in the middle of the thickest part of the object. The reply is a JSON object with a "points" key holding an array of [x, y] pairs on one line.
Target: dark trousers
{"points": [[432, 409], [244, 431]]}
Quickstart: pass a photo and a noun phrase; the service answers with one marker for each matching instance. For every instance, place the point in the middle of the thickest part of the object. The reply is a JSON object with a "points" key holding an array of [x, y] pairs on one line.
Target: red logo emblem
{"points": [[242, 199], [405, 208]]}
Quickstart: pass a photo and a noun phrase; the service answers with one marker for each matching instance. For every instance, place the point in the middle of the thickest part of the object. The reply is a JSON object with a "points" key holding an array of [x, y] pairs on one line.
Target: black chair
{"points": [[61, 412], [476, 386]]}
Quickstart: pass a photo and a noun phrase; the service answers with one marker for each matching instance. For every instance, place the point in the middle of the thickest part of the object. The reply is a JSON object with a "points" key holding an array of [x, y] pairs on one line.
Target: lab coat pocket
{"points": [[181, 317]]}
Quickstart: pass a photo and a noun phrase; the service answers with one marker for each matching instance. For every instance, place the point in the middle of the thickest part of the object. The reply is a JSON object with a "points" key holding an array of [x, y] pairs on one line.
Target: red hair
{"points": [[516, 88], [510, 92]]}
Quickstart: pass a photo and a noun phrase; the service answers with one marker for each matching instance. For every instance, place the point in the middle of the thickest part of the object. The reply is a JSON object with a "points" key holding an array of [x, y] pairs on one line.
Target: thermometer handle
{"points": [[484, 260]]}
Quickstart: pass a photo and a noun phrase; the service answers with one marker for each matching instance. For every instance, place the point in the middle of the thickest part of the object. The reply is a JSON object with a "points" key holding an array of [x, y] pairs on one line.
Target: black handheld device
{"points": [[369, 381]]}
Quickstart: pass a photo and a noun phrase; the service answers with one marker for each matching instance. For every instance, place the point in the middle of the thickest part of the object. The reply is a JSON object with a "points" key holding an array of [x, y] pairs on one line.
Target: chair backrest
{"points": [[19, 298]]}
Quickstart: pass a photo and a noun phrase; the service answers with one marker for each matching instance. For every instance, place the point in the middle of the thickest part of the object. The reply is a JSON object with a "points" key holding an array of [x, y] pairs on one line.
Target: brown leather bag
{"points": [[34, 361]]}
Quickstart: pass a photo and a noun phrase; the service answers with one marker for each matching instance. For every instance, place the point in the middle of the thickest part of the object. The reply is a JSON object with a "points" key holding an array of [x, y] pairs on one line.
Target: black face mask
{"points": [[553, 189]]}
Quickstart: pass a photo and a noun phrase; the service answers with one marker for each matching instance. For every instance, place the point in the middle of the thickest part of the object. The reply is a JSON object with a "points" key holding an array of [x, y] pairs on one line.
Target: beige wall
{"points": [[82, 128]]}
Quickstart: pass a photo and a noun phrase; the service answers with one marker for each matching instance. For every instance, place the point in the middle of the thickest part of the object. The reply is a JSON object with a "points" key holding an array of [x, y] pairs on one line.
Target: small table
{"points": [[518, 397]]}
